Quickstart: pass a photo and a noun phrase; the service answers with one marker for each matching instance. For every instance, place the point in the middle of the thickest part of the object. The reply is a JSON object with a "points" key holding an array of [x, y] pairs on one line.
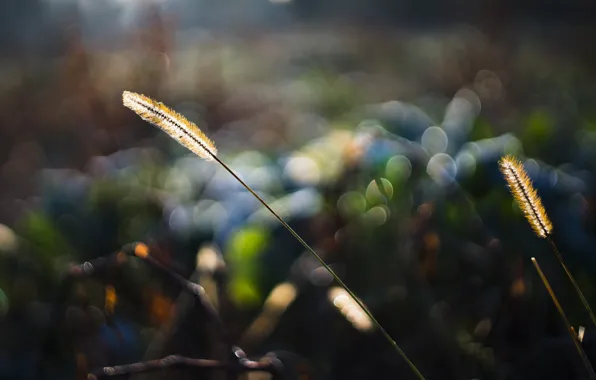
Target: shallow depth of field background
{"points": [[309, 102]]}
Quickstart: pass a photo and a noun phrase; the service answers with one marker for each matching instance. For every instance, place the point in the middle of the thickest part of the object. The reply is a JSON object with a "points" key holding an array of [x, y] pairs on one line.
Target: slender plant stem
{"points": [[572, 279], [576, 342], [327, 267]]}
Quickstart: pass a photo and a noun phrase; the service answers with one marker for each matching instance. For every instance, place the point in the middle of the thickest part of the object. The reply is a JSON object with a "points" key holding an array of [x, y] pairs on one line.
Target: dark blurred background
{"points": [[374, 127]]}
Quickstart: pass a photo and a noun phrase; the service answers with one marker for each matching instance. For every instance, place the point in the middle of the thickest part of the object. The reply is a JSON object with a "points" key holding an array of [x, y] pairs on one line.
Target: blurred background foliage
{"points": [[373, 127]]}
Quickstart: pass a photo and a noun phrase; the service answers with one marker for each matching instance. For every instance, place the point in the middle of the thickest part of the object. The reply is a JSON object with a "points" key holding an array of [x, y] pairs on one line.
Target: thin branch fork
{"points": [[268, 364], [237, 365]]}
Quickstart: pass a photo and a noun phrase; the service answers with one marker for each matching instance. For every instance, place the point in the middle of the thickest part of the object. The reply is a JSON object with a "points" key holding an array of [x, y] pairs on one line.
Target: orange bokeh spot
{"points": [[141, 250], [121, 257], [161, 309], [111, 298]]}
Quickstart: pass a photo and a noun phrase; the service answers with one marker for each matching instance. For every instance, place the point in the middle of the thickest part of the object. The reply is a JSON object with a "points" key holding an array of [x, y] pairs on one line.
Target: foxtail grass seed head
{"points": [[189, 135], [177, 126], [525, 195]]}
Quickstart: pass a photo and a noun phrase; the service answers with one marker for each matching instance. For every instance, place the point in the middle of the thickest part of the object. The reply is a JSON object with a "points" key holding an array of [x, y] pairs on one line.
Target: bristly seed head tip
{"points": [[525, 195]]}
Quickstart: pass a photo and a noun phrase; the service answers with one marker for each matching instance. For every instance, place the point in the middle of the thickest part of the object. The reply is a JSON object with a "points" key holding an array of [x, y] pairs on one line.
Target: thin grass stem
{"points": [[572, 279], [190, 136], [530, 203], [327, 267], [576, 342]]}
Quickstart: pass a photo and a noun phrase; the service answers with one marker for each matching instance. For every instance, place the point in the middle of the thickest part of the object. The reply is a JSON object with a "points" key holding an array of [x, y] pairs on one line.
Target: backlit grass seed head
{"points": [[189, 135], [177, 126], [525, 195]]}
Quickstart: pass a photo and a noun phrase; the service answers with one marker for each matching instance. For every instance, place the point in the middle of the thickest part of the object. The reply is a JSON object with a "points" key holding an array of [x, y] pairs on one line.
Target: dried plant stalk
{"points": [[189, 135], [574, 337], [528, 200]]}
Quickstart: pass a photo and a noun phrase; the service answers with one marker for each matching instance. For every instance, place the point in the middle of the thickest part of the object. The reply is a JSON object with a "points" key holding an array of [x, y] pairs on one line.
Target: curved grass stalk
{"points": [[189, 135], [528, 200], [574, 337]]}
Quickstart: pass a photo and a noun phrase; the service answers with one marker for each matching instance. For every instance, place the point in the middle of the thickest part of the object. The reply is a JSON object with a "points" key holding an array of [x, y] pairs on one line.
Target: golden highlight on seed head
{"points": [[525, 195], [174, 124]]}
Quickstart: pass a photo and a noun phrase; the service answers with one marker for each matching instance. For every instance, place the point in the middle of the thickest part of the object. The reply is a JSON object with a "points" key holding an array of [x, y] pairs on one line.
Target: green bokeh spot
{"points": [[246, 244], [243, 253], [590, 126], [482, 130], [539, 128], [244, 292], [453, 214], [4, 304], [44, 237]]}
